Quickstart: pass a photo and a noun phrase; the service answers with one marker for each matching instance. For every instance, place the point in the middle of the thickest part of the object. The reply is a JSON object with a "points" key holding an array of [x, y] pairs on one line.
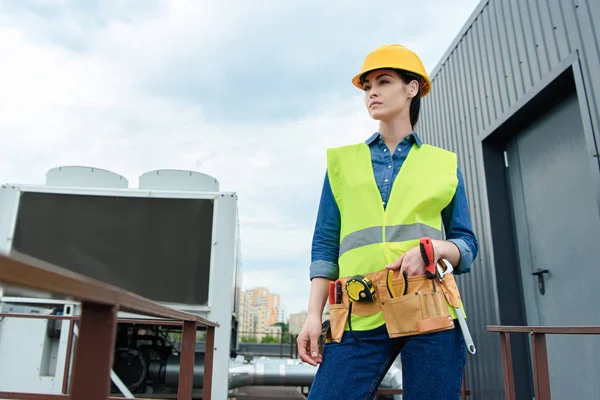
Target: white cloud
{"points": [[80, 87]]}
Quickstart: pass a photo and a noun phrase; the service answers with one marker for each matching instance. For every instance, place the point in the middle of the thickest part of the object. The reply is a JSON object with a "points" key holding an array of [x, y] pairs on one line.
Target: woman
{"points": [[380, 199]]}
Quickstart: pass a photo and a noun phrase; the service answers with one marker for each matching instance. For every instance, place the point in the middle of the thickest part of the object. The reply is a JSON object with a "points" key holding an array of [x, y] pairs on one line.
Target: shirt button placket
{"points": [[388, 176]]}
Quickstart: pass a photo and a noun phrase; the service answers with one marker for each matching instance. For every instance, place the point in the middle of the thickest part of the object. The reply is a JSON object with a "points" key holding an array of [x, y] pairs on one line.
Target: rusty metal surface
{"points": [[139, 321], [186, 367], [94, 352], [208, 362], [540, 366], [539, 353], [94, 349], [32, 396], [562, 330], [39, 316], [507, 366], [65, 385], [28, 272]]}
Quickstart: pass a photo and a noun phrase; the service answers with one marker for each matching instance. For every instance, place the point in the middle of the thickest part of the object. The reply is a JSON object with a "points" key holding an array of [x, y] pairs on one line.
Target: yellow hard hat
{"points": [[398, 57]]}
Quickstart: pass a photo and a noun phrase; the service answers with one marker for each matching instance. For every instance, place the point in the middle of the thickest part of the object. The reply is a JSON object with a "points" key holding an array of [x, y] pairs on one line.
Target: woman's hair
{"points": [[415, 104]]}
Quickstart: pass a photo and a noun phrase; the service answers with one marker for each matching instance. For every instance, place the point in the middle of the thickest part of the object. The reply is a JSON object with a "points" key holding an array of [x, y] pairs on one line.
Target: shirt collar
{"points": [[413, 137]]}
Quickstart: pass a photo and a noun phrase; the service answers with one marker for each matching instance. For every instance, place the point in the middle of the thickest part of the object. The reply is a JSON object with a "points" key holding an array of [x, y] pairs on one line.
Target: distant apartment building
{"points": [[259, 309], [297, 322]]}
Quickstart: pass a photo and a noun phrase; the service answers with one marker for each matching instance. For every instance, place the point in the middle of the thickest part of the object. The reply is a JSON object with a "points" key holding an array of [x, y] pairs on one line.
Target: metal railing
{"points": [[285, 341], [293, 354], [94, 349], [539, 354]]}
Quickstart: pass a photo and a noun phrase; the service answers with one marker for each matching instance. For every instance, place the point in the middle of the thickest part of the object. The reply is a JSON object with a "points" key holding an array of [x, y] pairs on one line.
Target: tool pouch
{"points": [[451, 291], [338, 316], [422, 309]]}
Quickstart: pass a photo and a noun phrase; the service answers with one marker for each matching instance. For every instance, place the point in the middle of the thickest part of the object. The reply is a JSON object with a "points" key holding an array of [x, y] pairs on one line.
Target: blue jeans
{"points": [[432, 365]]}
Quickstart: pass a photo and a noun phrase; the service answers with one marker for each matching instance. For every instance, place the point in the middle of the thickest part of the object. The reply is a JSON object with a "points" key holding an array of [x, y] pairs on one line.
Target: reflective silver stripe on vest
{"points": [[402, 233], [396, 233], [361, 238]]}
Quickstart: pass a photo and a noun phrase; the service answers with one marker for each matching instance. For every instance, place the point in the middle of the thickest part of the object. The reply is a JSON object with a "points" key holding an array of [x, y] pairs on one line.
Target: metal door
{"points": [[558, 230]]}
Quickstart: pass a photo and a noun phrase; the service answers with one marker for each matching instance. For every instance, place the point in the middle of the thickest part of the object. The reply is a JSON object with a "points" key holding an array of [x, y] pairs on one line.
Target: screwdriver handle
{"points": [[332, 292], [338, 292], [426, 246]]}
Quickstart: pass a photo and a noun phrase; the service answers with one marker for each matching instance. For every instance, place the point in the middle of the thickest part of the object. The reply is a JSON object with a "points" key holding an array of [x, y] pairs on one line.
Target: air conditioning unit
{"points": [[173, 239]]}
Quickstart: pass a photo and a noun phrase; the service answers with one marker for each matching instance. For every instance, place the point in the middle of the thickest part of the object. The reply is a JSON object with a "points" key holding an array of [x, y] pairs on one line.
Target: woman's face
{"points": [[386, 95]]}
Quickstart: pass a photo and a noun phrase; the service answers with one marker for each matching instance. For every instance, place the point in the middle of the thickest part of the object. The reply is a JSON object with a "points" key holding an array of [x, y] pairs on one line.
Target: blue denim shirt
{"points": [[326, 238]]}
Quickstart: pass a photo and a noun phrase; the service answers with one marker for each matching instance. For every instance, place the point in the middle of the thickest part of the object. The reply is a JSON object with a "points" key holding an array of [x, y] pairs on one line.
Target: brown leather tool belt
{"points": [[410, 305]]}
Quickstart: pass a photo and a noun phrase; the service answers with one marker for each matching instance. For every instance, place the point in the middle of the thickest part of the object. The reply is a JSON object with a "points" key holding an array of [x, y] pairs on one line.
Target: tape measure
{"points": [[360, 288]]}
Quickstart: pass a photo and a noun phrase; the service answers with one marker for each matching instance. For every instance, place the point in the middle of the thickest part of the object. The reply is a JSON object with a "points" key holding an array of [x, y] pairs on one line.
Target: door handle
{"points": [[540, 275]]}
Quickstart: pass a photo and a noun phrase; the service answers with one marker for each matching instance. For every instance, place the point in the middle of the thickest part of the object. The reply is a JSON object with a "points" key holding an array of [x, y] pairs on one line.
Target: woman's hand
{"points": [[412, 261], [308, 340]]}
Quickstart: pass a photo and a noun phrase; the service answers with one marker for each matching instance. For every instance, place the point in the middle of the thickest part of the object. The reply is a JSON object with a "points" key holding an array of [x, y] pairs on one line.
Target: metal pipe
{"points": [[172, 370], [268, 372], [264, 372]]}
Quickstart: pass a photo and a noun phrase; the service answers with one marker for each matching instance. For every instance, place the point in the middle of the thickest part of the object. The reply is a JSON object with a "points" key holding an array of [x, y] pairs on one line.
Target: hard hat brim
{"points": [[425, 82]]}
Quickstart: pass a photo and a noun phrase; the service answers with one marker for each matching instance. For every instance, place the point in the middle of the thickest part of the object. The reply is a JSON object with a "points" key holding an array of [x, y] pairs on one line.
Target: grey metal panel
{"points": [[495, 97], [515, 41], [451, 92], [502, 52], [502, 55], [504, 33], [588, 29], [476, 79], [549, 29], [483, 70], [562, 42], [530, 63], [538, 37]]}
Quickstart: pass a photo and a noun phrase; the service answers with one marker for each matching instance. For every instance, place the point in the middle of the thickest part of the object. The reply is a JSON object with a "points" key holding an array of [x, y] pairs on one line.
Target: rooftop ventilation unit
{"points": [[172, 179], [82, 176]]}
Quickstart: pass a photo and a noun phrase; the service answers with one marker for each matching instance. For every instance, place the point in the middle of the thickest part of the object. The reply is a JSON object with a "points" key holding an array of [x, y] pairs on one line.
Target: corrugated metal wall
{"points": [[504, 50]]}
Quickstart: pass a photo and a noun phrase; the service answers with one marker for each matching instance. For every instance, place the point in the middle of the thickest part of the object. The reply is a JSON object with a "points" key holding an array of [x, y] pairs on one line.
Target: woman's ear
{"points": [[413, 88]]}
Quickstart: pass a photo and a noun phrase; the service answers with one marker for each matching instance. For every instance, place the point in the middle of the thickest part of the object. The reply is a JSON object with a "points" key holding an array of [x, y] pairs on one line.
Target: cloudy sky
{"points": [[251, 92]]}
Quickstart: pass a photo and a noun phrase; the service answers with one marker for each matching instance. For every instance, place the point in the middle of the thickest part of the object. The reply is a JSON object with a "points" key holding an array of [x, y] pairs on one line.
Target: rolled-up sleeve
{"points": [[457, 223], [326, 237]]}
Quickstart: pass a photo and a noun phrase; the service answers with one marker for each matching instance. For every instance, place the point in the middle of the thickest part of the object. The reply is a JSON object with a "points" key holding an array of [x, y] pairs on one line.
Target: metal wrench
{"points": [[461, 317]]}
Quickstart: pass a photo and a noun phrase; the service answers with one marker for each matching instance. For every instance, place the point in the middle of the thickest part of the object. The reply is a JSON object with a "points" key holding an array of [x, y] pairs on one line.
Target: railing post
{"points": [[208, 362], [186, 362], [507, 367], [281, 343], [95, 350], [67, 370], [540, 366], [463, 388]]}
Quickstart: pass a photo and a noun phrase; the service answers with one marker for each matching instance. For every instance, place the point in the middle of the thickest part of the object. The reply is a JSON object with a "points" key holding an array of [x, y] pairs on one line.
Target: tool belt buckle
{"points": [[441, 272]]}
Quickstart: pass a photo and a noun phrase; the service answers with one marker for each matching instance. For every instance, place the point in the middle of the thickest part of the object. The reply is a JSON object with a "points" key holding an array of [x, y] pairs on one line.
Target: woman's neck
{"points": [[395, 131]]}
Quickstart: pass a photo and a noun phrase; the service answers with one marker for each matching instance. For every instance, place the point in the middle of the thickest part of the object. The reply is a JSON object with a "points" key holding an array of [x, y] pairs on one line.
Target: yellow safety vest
{"points": [[371, 236]]}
